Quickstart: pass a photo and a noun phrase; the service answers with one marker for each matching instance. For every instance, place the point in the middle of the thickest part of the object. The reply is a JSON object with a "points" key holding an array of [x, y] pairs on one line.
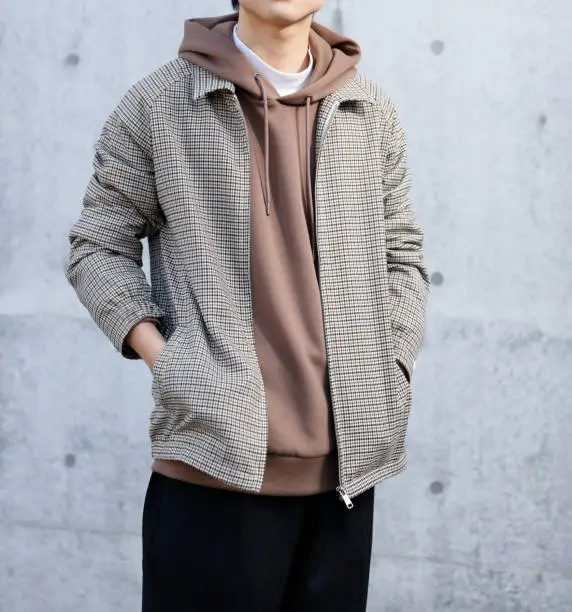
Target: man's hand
{"points": [[146, 340]]}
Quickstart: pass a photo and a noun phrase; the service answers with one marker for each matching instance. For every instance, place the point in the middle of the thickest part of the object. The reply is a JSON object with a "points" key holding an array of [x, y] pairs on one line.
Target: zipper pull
{"points": [[345, 498]]}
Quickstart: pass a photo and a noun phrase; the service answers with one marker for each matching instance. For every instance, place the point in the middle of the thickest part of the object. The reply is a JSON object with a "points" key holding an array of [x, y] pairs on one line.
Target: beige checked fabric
{"points": [[172, 165]]}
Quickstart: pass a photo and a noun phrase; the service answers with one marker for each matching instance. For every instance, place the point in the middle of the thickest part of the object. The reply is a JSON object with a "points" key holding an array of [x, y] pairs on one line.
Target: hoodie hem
{"points": [[284, 476]]}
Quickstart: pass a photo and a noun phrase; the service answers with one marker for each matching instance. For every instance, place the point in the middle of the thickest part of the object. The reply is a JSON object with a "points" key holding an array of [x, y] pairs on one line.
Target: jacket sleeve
{"points": [[119, 209], [408, 277]]}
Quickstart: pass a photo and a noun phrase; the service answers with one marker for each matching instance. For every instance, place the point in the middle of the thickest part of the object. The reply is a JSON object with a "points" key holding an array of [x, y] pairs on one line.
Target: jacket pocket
{"points": [[162, 419], [161, 364], [401, 414], [403, 386]]}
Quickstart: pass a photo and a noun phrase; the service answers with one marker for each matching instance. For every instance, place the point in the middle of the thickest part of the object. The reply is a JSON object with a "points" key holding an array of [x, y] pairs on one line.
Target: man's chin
{"points": [[288, 16]]}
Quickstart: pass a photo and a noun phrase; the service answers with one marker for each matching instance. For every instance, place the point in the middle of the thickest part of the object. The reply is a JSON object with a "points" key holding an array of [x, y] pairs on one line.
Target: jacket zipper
{"points": [[344, 497], [242, 116]]}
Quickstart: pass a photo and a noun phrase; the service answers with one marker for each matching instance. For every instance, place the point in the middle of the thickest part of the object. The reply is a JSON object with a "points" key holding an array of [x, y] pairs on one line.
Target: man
{"points": [[285, 314]]}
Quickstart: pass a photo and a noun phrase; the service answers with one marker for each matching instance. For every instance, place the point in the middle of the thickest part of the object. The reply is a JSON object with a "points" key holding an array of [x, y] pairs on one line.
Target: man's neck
{"points": [[285, 49]]}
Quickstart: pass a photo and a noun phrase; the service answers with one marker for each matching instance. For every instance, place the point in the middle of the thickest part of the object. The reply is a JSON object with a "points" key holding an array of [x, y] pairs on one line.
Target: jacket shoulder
{"points": [[378, 96], [133, 112], [141, 96]]}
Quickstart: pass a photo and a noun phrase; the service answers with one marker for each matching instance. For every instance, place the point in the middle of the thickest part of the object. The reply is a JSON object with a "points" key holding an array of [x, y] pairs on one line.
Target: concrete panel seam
{"points": [[484, 566], [67, 528]]}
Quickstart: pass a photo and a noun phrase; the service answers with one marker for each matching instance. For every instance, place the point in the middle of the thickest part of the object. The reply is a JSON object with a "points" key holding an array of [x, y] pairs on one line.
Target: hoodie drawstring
{"points": [[267, 197], [309, 172], [258, 79]]}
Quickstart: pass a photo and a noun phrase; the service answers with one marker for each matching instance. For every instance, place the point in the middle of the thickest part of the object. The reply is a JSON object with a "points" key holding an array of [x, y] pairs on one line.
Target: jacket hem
{"points": [[207, 460], [371, 479], [284, 476]]}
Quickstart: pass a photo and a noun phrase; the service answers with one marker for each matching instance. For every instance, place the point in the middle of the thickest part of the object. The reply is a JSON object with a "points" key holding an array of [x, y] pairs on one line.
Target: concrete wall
{"points": [[483, 518]]}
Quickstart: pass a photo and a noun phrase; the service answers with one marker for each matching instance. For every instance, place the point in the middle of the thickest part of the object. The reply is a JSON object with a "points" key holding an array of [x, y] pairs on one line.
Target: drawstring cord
{"points": [[258, 79], [309, 172], [309, 186]]}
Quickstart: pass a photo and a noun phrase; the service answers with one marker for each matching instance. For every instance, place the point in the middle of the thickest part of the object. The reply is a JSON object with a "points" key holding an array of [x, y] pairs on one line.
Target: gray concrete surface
{"points": [[482, 521]]}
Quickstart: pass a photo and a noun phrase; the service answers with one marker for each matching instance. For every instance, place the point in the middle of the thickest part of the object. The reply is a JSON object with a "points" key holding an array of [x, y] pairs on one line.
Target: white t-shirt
{"points": [[285, 83]]}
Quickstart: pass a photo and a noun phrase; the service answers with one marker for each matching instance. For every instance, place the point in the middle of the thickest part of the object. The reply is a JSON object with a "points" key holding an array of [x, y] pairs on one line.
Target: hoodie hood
{"points": [[208, 43]]}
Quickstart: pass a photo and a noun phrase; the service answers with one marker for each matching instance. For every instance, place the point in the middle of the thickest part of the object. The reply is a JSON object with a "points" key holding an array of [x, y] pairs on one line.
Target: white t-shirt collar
{"points": [[284, 83]]}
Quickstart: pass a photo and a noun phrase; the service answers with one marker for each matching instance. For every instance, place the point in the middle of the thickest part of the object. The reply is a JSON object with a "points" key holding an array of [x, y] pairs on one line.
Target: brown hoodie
{"points": [[288, 324]]}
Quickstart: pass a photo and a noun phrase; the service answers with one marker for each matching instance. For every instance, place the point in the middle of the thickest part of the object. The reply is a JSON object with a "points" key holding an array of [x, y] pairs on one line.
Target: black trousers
{"points": [[209, 550]]}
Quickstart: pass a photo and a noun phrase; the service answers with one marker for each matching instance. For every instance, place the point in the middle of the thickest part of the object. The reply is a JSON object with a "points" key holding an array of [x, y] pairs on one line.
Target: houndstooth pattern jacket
{"points": [[172, 165]]}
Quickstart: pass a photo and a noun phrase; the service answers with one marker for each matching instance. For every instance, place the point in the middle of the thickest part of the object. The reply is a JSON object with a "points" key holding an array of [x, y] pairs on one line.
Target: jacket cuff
{"points": [[126, 319]]}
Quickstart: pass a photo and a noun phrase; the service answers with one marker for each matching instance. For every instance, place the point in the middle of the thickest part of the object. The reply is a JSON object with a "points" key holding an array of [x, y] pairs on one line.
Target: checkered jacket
{"points": [[172, 165]]}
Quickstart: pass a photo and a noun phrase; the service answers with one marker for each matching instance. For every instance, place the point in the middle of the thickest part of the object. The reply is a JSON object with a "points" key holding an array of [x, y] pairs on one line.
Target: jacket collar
{"points": [[205, 82]]}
